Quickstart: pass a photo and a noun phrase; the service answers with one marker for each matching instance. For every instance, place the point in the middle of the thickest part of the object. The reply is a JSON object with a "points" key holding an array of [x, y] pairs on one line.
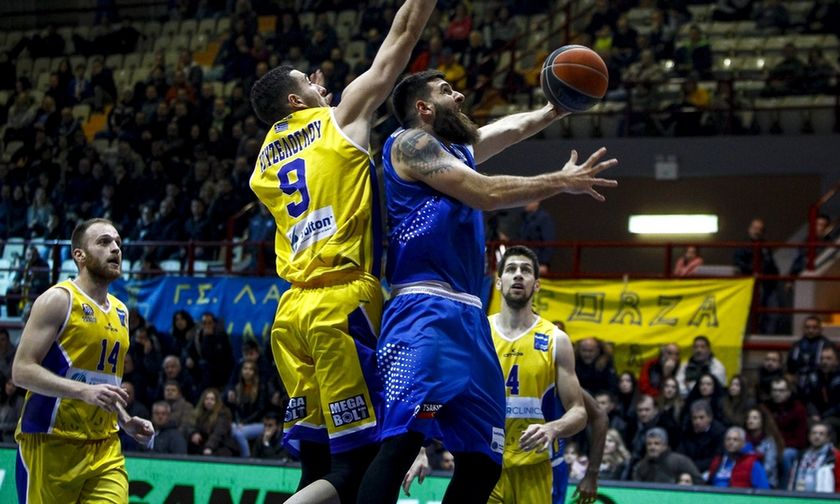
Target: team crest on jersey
{"points": [[541, 342], [123, 316], [347, 411], [296, 409], [281, 127], [87, 313]]}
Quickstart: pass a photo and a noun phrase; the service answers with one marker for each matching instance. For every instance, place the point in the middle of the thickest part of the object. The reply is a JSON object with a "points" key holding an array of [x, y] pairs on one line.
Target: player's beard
{"points": [[101, 270], [454, 127], [519, 302]]}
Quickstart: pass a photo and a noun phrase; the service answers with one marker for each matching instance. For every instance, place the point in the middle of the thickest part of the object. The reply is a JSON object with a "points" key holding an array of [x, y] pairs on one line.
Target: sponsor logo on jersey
{"points": [[123, 316], [514, 353], [281, 127], [317, 225], [497, 444], [541, 341], [79, 377], [427, 411], [296, 409], [87, 313], [347, 411]]}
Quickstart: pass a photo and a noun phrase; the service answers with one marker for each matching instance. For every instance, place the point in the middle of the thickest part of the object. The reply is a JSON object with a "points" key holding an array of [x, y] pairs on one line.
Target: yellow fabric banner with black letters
{"points": [[639, 316]]}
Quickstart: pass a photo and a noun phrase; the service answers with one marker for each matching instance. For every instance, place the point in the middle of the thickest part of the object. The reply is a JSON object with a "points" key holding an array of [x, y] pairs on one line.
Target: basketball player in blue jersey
{"points": [[315, 175], [538, 362], [441, 375], [70, 360]]}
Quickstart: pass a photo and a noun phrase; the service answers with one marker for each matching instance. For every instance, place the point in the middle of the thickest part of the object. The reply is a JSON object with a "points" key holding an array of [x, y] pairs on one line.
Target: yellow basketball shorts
{"points": [[528, 484], [52, 469], [324, 344]]}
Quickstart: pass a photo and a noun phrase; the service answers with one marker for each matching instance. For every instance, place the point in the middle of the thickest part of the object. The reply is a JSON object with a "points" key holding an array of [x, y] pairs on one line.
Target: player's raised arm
{"points": [[370, 90], [49, 314], [512, 129], [418, 156], [540, 436]]}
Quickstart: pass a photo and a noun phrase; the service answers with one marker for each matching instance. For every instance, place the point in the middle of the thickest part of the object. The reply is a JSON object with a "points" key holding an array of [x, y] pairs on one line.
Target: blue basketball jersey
{"points": [[432, 237]]}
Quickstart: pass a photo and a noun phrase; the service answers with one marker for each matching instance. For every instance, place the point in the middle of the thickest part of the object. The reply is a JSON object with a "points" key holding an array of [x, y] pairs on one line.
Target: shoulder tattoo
{"points": [[421, 153]]}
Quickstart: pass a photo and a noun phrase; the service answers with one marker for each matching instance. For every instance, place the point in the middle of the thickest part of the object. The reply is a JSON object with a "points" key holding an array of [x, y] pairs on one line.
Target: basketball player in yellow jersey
{"points": [[314, 173], [70, 360], [538, 362]]}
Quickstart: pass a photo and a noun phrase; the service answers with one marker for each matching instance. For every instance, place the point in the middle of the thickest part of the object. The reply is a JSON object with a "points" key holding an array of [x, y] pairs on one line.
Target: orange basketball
{"points": [[574, 78]]}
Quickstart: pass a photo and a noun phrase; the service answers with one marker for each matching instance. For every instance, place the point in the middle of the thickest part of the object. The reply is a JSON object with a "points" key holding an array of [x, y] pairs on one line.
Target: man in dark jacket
{"points": [[168, 438], [648, 417], [805, 354], [660, 464], [702, 441], [594, 368], [270, 444], [768, 288], [739, 466]]}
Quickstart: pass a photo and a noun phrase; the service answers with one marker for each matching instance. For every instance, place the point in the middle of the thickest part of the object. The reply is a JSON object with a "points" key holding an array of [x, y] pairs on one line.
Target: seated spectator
{"points": [[606, 401], [182, 411], [818, 469], [182, 323], [594, 367], [670, 402], [804, 355], [627, 397], [168, 438], [736, 402], [766, 439], [615, 464], [269, 445], [247, 400], [30, 278], [694, 54], [792, 419], [458, 29], [7, 353], [823, 392], [11, 406], [172, 370], [212, 433], [80, 89], [145, 349], [453, 71], [649, 417], [702, 361], [575, 460], [739, 466], [787, 77], [655, 371], [209, 354], [688, 263], [771, 369], [660, 464], [702, 440]]}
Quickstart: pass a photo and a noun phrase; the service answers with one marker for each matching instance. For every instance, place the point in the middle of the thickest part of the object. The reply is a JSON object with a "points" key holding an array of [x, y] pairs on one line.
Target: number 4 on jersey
{"points": [[513, 380], [112, 358]]}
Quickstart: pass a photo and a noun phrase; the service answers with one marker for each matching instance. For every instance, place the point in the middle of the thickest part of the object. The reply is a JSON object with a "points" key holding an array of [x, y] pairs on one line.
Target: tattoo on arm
{"points": [[421, 153]]}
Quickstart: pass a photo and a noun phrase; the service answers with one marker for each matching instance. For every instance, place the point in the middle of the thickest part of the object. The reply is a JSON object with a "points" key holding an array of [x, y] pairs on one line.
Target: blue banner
{"points": [[245, 305]]}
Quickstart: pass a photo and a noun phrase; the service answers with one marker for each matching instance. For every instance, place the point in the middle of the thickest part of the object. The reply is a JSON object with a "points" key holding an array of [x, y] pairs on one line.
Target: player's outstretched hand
{"points": [[105, 396], [587, 489], [419, 469], [537, 437], [582, 178]]}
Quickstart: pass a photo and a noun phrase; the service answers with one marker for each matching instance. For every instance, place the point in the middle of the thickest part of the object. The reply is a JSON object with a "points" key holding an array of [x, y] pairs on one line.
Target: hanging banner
{"points": [[246, 305], [639, 316]]}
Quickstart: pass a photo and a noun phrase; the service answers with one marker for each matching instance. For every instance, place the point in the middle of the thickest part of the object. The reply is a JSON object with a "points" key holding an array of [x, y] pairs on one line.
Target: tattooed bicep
{"points": [[421, 154]]}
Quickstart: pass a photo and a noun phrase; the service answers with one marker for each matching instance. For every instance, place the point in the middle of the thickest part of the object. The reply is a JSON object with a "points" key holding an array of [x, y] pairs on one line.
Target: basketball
{"points": [[574, 78]]}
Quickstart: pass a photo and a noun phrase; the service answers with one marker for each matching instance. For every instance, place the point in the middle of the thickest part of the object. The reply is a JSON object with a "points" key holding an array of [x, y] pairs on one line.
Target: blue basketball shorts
{"points": [[440, 373]]}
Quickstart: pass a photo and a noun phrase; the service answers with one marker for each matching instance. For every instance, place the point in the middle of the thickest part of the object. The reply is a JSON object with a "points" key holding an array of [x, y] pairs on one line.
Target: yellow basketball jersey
{"points": [[90, 347], [527, 360], [320, 188]]}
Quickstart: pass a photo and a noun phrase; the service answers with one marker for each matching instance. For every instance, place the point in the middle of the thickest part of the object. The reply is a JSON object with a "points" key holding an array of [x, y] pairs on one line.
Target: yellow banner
{"points": [[639, 316]]}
